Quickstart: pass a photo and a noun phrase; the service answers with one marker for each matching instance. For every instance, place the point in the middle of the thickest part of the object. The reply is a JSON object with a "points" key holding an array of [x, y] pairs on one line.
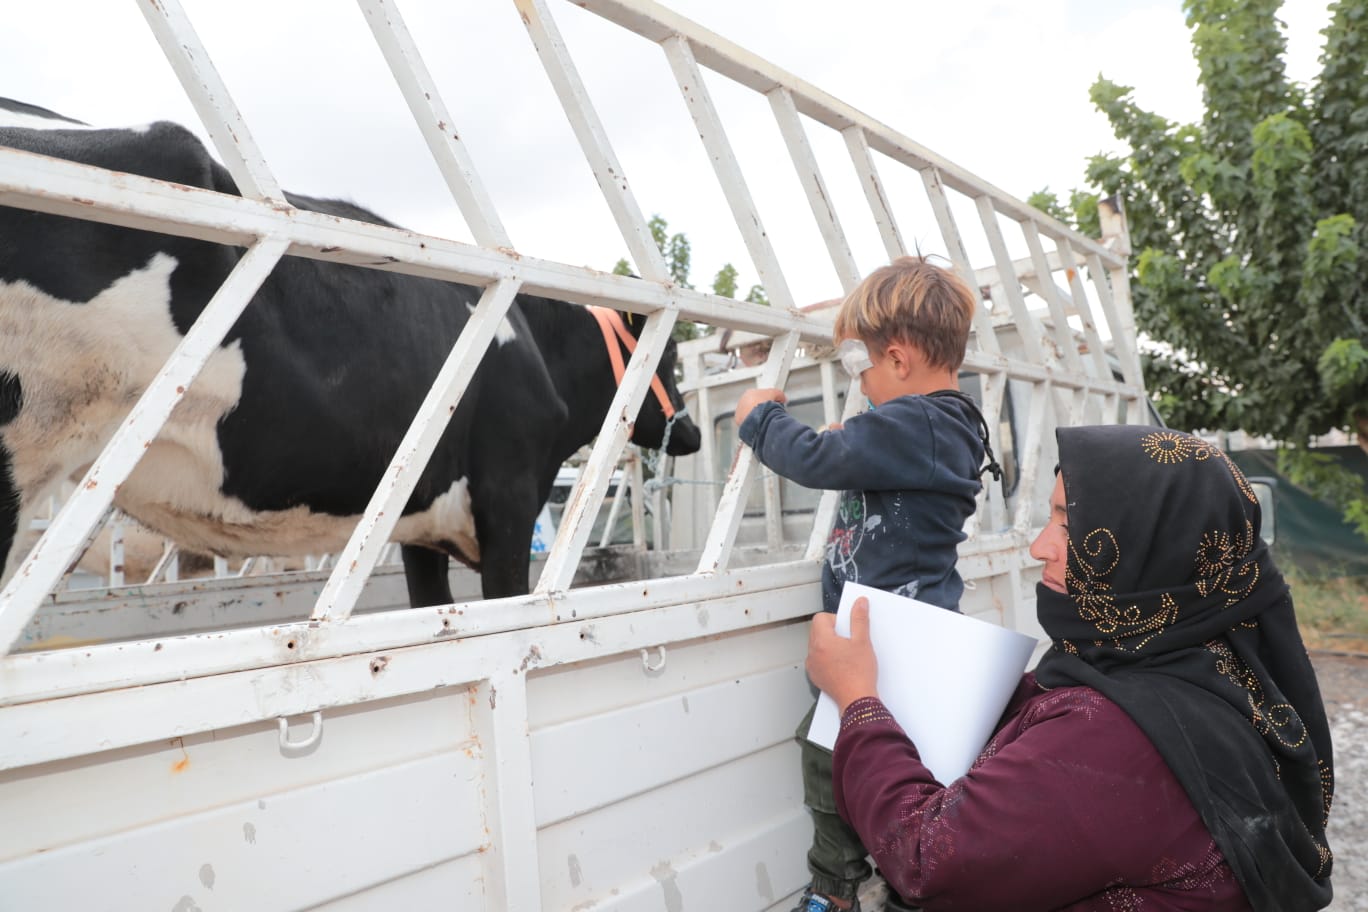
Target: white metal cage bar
{"points": [[211, 99], [434, 122], [122, 199], [593, 139], [731, 506], [858, 145], [577, 520], [714, 135], [819, 198]]}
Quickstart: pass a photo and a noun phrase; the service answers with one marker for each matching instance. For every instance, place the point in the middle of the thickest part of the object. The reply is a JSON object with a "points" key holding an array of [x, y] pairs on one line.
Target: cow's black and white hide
{"points": [[276, 448]]}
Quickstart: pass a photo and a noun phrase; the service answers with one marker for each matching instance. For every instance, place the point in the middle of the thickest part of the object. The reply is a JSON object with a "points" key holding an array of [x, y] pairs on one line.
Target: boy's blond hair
{"points": [[914, 301]]}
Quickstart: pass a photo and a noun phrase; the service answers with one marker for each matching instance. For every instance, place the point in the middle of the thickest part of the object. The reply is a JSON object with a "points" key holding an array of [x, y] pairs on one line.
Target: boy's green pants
{"points": [[837, 857]]}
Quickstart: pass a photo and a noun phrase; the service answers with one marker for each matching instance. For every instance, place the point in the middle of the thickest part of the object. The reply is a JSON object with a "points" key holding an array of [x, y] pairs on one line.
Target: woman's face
{"points": [[1052, 544]]}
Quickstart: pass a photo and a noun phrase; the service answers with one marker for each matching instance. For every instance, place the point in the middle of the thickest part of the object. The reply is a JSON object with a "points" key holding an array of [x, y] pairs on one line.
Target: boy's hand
{"points": [[751, 398], [845, 669]]}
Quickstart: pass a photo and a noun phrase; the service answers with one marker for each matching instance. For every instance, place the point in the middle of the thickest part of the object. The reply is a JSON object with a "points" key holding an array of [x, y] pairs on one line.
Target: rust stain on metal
{"points": [[493, 696], [379, 664], [533, 657], [183, 763]]}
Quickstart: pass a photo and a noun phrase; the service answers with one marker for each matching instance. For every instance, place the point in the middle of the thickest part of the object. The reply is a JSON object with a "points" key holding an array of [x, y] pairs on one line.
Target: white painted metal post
{"points": [[728, 169], [1028, 328], [638, 482], [1063, 335], [593, 139], [1123, 344], [732, 505], [819, 199], [578, 519], [863, 159], [826, 508], [959, 255], [209, 95], [1083, 308], [1028, 456], [511, 864], [436, 125], [116, 549]]}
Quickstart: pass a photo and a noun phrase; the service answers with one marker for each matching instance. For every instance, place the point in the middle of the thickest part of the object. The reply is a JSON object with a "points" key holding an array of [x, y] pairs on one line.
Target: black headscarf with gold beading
{"points": [[1176, 612]]}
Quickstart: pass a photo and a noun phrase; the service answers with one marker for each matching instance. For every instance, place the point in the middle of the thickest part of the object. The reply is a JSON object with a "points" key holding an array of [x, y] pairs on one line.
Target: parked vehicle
{"points": [[621, 737]]}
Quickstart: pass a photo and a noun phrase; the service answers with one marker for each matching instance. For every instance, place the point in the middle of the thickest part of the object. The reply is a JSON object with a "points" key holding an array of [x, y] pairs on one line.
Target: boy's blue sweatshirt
{"points": [[908, 471]]}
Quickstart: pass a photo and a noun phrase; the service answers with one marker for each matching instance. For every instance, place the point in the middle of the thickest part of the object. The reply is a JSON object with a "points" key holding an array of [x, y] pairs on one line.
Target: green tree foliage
{"points": [[1249, 229], [724, 283], [678, 259]]}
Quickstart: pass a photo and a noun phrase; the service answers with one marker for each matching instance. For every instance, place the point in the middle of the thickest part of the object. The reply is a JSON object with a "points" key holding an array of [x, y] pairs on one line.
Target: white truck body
{"points": [[309, 742]]}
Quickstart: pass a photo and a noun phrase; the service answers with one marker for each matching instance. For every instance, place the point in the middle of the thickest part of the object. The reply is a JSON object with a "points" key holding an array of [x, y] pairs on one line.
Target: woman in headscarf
{"points": [[1169, 752]]}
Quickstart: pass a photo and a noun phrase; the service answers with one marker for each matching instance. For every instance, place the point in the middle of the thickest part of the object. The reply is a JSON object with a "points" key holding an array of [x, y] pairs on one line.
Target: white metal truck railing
{"points": [[1081, 281], [1066, 306]]}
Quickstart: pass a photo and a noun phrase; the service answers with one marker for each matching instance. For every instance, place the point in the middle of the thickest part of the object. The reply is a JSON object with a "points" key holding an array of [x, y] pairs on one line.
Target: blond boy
{"points": [[909, 472]]}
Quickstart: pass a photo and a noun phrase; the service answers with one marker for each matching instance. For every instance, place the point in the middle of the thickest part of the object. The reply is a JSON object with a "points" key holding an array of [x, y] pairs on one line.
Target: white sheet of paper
{"points": [[945, 677]]}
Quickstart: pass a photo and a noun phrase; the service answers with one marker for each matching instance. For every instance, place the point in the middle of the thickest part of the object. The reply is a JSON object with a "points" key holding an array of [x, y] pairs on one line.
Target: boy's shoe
{"points": [[816, 902], [895, 903]]}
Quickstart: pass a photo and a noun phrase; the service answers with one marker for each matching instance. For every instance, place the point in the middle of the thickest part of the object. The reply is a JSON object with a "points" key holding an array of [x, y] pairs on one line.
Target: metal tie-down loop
{"points": [[294, 747], [646, 661]]}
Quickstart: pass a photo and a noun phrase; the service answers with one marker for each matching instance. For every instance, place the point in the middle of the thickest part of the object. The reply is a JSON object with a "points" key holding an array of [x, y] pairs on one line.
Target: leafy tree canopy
{"points": [[678, 259], [1249, 231]]}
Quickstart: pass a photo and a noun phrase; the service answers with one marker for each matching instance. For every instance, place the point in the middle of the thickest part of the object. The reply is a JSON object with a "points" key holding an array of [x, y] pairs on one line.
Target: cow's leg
{"points": [[425, 570], [504, 527]]}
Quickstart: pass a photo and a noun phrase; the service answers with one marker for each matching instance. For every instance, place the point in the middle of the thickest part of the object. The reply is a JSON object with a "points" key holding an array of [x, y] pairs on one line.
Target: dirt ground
{"points": [[1344, 686]]}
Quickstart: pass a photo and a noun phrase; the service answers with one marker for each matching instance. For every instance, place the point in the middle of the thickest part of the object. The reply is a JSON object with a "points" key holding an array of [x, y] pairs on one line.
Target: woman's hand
{"points": [[845, 669], [753, 397]]}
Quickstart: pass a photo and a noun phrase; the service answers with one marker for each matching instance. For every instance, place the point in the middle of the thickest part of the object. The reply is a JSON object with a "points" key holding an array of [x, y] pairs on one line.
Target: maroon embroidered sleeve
{"points": [[1068, 800]]}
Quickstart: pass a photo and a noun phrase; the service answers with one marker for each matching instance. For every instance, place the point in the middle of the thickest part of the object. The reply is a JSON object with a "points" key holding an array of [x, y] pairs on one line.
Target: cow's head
{"points": [[663, 421], [654, 429]]}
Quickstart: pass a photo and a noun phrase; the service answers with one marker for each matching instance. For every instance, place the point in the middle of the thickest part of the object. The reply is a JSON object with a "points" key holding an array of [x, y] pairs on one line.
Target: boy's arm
{"points": [[753, 397], [864, 454]]}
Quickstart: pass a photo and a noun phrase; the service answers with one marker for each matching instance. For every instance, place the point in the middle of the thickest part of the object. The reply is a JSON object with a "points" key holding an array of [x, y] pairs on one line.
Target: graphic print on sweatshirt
{"points": [[853, 525]]}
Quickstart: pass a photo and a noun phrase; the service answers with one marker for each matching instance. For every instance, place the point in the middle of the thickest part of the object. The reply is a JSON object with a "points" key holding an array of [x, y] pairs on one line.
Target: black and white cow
{"points": [[277, 446]]}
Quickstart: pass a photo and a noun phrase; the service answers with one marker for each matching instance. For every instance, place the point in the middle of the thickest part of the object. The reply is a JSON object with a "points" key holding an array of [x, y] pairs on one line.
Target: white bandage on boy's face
{"points": [[854, 357]]}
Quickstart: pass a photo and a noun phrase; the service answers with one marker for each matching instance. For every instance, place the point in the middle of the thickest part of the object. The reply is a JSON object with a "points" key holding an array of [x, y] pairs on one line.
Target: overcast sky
{"points": [[998, 86]]}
